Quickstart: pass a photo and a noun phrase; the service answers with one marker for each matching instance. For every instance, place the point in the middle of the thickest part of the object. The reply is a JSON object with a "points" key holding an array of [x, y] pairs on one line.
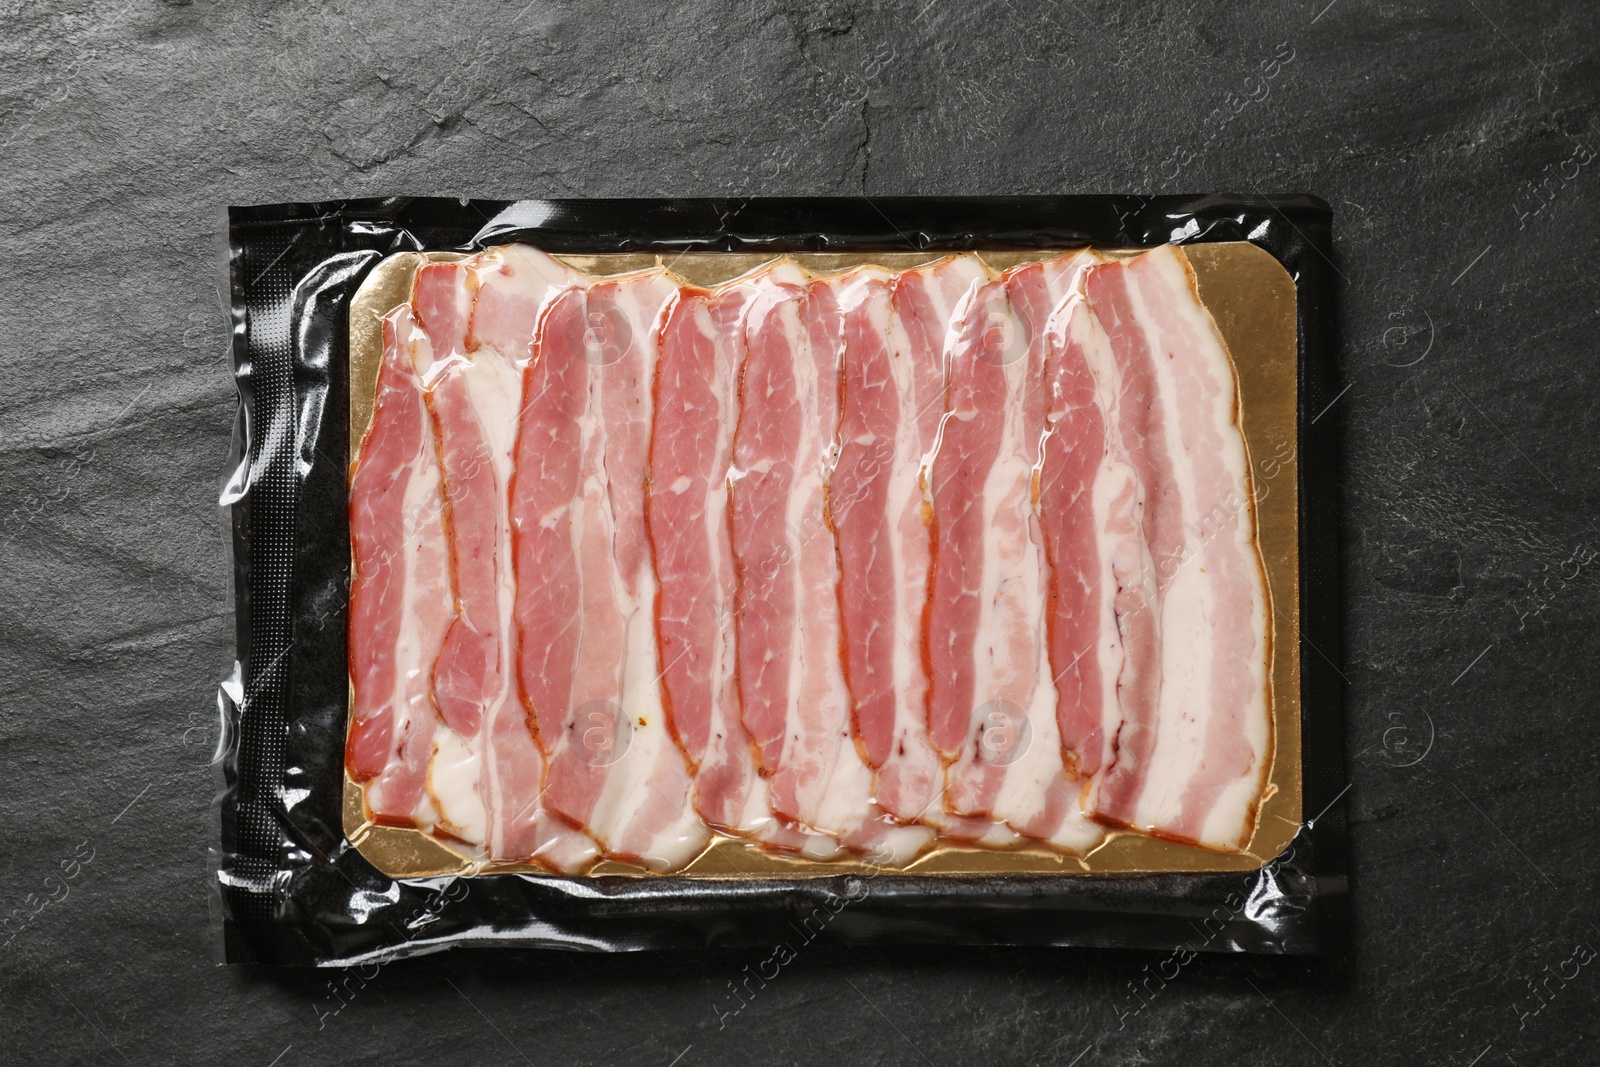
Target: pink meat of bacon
{"points": [[585, 588], [992, 702], [795, 700], [1191, 754], [400, 604], [486, 783]]}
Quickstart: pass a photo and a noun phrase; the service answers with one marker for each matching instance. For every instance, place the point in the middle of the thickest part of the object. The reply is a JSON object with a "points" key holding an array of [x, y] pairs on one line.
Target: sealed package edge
{"points": [[702, 563]]}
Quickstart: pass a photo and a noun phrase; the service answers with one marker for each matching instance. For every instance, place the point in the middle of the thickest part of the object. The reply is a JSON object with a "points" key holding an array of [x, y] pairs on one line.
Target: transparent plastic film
{"points": [[363, 328]]}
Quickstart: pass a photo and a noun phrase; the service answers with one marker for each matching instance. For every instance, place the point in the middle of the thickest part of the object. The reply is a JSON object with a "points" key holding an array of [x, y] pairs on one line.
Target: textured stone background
{"points": [[1455, 141]]}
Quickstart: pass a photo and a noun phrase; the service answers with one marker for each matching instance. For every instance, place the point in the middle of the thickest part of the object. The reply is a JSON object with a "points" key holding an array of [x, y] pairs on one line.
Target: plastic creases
{"points": [[295, 889]]}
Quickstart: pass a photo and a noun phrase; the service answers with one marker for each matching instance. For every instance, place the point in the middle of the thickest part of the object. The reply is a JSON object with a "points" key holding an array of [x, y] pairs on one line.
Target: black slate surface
{"points": [[1456, 144]]}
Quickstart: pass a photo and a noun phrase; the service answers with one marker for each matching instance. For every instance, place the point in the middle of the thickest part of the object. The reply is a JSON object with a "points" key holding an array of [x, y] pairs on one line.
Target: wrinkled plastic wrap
{"points": [[295, 890]]}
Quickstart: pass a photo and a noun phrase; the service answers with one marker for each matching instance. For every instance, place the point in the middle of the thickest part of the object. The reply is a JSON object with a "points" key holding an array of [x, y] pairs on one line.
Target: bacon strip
{"points": [[1091, 504], [1190, 756], [688, 519], [891, 394], [585, 589], [893, 382], [400, 603], [474, 398], [795, 699], [992, 703]]}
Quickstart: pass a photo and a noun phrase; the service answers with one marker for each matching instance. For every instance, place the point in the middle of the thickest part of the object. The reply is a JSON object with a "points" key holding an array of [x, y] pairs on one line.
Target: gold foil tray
{"points": [[1252, 299]]}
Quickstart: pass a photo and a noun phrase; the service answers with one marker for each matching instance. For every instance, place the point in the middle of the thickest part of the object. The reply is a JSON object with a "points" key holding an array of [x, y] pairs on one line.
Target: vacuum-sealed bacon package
{"points": [[648, 573]]}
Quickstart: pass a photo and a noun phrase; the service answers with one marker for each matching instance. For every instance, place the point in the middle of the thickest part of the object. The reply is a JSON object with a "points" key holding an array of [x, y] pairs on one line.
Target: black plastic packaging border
{"points": [[294, 891]]}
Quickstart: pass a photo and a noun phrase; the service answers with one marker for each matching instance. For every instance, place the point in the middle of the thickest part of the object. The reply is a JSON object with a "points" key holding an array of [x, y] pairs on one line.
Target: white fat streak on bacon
{"points": [[486, 784], [687, 508], [614, 768], [797, 704], [993, 693], [1195, 768], [455, 786], [400, 604]]}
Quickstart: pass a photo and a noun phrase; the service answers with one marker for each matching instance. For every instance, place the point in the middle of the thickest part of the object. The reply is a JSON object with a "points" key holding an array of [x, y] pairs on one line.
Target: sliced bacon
{"points": [[1091, 503], [400, 604], [1036, 291], [796, 703], [688, 518], [546, 517], [585, 588], [776, 437], [992, 703], [1190, 757], [828, 563], [490, 770], [892, 398]]}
